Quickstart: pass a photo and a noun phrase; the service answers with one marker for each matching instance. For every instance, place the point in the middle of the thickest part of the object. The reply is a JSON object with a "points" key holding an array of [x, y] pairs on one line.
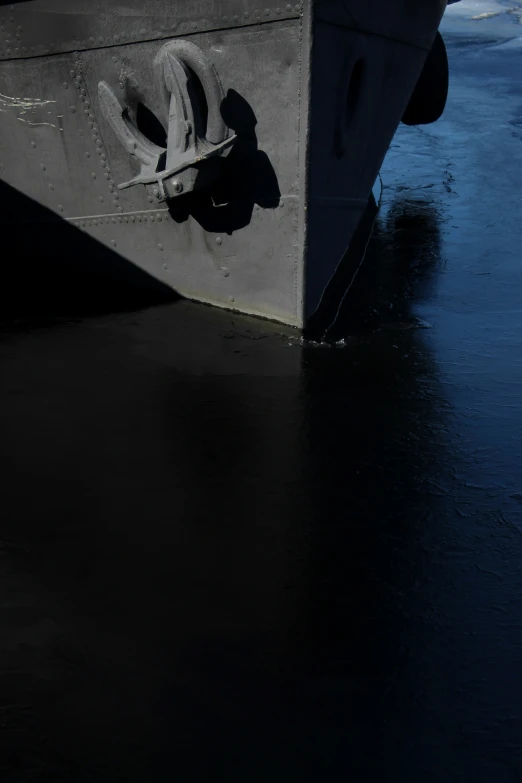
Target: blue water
{"points": [[502, 18]]}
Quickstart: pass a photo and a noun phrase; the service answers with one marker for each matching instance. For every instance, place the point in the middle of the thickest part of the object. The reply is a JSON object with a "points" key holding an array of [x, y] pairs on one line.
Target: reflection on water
{"points": [[411, 236], [375, 421], [402, 260]]}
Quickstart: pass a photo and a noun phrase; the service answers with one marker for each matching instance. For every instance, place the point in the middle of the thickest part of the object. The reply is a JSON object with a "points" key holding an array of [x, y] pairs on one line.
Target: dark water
{"points": [[228, 556]]}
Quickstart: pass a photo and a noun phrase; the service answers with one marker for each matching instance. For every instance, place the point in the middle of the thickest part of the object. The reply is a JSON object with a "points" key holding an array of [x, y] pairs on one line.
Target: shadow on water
{"points": [[51, 269]]}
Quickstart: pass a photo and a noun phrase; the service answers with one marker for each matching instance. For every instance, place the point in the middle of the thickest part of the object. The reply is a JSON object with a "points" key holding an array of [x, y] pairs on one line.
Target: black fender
{"points": [[429, 97]]}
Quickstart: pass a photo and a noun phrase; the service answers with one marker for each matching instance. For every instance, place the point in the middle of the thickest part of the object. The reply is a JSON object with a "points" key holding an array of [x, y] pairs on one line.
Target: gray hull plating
{"points": [[310, 95]]}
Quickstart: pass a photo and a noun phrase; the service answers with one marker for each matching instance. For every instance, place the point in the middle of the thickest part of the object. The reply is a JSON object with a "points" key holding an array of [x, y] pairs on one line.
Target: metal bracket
{"points": [[169, 172]]}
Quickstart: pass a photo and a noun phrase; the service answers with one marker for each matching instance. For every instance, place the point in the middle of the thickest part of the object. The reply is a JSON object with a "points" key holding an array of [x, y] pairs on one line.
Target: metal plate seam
{"points": [[373, 33], [167, 35]]}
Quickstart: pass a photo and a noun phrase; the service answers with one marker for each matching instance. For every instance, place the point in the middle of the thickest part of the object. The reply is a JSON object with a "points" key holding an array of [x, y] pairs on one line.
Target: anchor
{"points": [[182, 166]]}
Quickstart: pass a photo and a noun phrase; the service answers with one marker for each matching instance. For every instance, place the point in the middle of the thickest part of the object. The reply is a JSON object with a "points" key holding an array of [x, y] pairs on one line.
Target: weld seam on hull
{"points": [[167, 37], [340, 202], [365, 31], [117, 214], [148, 211]]}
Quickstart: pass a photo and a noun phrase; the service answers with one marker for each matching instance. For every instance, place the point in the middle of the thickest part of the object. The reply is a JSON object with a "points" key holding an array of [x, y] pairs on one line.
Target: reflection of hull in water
{"points": [[255, 136]]}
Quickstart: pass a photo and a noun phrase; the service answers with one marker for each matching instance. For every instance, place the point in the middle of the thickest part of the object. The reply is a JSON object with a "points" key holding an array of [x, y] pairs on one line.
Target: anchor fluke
{"points": [[189, 143]]}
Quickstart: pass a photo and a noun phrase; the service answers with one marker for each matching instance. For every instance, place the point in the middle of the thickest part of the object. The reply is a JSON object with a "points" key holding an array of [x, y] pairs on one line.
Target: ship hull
{"points": [[312, 95]]}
